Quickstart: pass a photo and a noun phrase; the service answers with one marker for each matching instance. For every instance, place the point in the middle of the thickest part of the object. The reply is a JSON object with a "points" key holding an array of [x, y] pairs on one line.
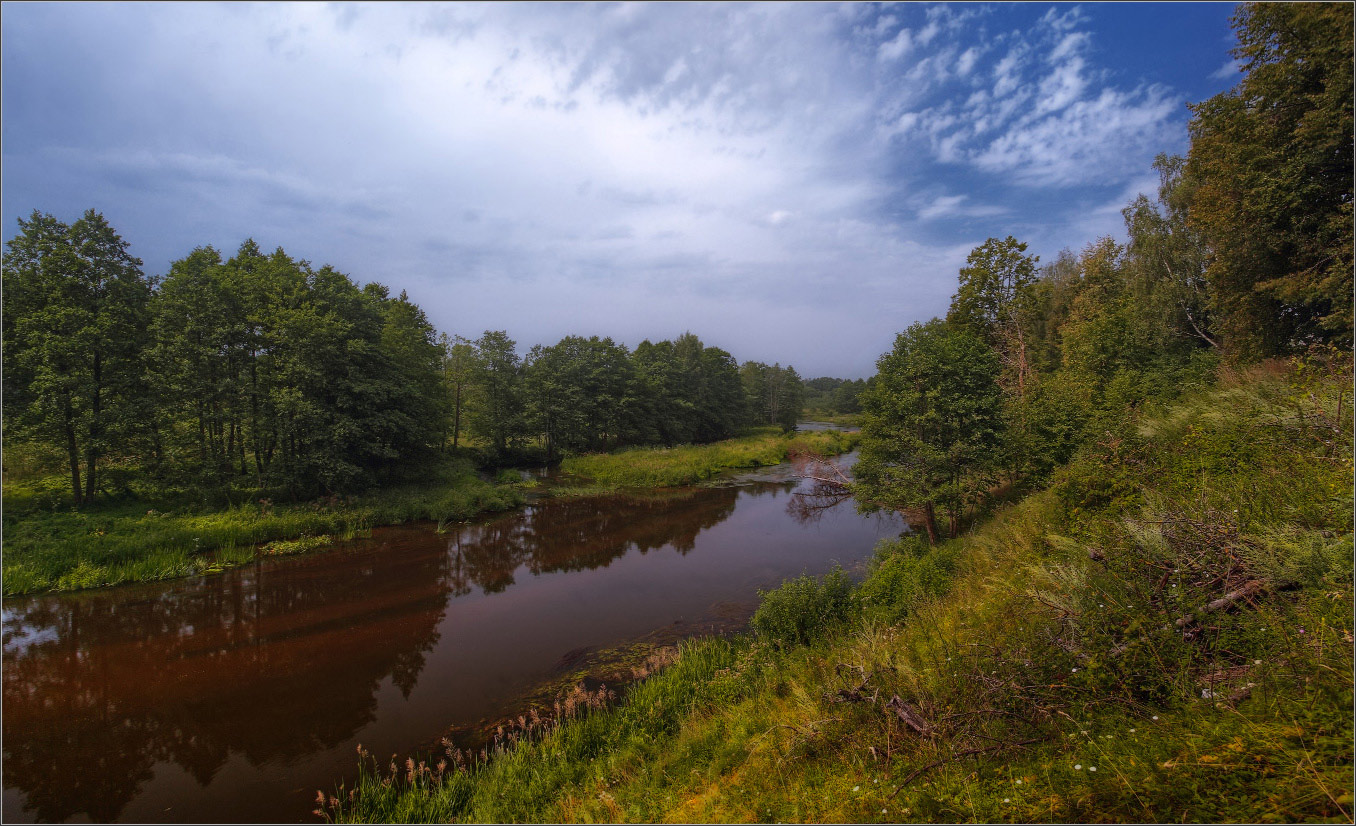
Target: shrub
{"points": [[906, 572], [802, 609]]}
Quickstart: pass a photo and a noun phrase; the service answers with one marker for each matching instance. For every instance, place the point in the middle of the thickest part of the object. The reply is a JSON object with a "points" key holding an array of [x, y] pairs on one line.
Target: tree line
{"points": [[262, 371], [1245, 254], [834, 397]]}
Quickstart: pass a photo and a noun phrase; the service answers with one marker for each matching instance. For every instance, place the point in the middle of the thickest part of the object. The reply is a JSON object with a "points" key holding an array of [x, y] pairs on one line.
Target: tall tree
{"points": [[416, 393], [1166, 257], [196, 322], [774, 395], [1270, 169], [75, 322], [498, 414], [931, 422], [459, 361], [994, 301]]}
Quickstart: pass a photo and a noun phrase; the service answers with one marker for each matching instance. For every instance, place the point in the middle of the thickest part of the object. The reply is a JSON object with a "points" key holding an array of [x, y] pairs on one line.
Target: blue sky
{"points": [[794, 183]]}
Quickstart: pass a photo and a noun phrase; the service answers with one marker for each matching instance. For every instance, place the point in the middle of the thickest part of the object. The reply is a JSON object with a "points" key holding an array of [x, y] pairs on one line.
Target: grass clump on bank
{"points": [[55, 548], [689, 464], [1163, 635]]}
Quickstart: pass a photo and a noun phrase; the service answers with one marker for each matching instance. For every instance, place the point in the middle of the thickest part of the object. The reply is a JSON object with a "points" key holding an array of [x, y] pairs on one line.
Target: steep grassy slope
{"points": [[1164, 634]]}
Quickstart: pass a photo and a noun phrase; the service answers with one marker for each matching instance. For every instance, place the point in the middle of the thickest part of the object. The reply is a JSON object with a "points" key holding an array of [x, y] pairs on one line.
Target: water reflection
{"points": [[188, 674], [256, 682], [574, 535]]}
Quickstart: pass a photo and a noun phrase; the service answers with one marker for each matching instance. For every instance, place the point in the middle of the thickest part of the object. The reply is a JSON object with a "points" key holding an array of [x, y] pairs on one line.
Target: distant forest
{"points": [[263, 370]]}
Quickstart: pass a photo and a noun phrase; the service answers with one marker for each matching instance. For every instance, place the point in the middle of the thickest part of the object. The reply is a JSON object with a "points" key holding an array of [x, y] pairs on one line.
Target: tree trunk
{"points": [[930, 522], [254, 420], [202, 435], [95, 431], [73, 452], [456, 417]]}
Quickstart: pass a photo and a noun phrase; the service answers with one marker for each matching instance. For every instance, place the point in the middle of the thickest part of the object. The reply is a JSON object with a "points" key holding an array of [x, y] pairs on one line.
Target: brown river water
{"points": [[234, 697]]}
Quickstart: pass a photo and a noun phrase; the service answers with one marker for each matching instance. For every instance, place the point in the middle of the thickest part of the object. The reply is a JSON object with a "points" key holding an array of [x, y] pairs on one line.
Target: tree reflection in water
{"points": [[276, 661], [577, 534]]}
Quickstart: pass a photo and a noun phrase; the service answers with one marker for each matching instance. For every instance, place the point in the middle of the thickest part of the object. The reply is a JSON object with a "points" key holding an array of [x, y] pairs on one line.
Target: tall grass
{"points": [[1083, 656], [688, 464]]}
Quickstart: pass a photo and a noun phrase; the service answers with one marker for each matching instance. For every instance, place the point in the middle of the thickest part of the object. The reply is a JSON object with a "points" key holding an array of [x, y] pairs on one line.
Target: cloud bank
{"points": [[794, 183]]}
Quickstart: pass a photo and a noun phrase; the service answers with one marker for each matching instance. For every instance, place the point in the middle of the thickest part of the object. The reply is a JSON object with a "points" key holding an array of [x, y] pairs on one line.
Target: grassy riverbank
{"points": [[49, 546], [56, 548], [667, 467], [1164, 634]]}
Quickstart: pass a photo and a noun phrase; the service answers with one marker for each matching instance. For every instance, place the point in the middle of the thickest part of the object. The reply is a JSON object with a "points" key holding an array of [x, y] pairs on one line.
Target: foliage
{"points": [[74, 312], [801, 610], [931, 423], [905, 574], [580, 394], [497, 413], [458, 369], [687, 392], [1270, 171], [1165, 263], [263, 373], [775, 394]]}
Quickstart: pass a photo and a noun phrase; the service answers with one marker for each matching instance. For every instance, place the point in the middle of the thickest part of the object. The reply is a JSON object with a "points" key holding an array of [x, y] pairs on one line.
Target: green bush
{"points": [[906, 572], [802, 609]]}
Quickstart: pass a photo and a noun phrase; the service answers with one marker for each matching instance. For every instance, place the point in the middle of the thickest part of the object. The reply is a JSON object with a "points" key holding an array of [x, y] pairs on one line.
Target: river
{"points": [[234, 697]]}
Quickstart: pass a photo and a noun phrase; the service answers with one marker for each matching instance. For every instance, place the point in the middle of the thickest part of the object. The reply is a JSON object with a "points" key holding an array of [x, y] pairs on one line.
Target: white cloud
{"points": [[1061, 87], [1070, 45], [967, 61], [1098, 139], [1006, 74], [896, 47], [1046, 118], [1231, 69], [953, 206]]}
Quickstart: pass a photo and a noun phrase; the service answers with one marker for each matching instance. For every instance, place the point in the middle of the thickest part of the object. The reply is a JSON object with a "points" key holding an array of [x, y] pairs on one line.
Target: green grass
{"points": [[60, 548], [844, 419], [689, 464], [1059, 663]]}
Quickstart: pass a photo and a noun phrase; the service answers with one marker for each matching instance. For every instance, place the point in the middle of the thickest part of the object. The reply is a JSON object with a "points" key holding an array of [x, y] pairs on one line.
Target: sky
{"points": [[793, 183]]}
